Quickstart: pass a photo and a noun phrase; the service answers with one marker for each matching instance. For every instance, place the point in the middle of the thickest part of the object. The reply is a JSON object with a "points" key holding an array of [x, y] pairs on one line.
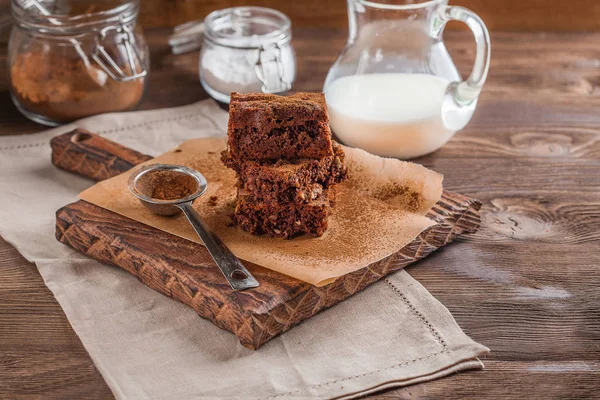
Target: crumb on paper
{"points": [[231, 222], [212, 201]]}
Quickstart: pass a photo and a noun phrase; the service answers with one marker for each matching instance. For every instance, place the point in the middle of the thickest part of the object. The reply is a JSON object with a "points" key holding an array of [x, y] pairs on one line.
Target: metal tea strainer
{"points": [[144, 183]]}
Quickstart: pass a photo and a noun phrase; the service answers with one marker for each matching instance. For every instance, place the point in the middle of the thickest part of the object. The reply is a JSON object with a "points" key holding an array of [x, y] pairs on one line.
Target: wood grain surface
{"points": [[520, 15], [527, 285], [186, 272], [516, 15], [92, 156]]}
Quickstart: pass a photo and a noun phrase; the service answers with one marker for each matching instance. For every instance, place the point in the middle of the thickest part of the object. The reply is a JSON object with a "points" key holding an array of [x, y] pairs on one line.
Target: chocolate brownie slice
{"points": [[284, 220], [299, 181], [269, 127]]}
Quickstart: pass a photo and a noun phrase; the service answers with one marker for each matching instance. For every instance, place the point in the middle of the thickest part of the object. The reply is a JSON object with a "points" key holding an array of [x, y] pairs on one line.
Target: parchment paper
{"points": [[378, 210]]}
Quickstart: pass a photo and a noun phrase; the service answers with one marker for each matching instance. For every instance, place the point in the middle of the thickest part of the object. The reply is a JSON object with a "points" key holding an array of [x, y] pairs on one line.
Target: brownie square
{"points": [[267, 127], [284, 220], [299, 181]]}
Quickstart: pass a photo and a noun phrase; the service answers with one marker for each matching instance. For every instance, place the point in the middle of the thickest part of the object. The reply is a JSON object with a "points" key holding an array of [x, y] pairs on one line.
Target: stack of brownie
{"points": [[286, 163]]}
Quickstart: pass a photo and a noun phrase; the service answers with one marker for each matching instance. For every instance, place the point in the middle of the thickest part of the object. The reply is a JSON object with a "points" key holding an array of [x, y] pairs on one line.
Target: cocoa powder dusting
{"points": [[63, 88], [167, 185], [411, 200]]}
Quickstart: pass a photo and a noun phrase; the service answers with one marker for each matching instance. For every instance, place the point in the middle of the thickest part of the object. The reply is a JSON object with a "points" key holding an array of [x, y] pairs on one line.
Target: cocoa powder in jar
{"points": [[65, 88]]}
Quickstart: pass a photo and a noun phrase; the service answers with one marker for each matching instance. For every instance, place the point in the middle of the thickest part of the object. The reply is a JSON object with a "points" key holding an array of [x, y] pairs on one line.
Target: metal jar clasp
{"points": [[270, 71], [109, 65]]}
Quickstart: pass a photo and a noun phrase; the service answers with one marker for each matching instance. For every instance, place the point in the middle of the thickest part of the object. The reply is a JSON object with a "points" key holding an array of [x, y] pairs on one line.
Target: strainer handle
{"points": [[236, 274]]}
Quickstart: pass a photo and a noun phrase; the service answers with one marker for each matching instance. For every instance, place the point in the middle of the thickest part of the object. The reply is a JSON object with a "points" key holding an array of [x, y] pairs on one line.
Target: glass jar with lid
{"points": [[247, 49], [72, 59]]}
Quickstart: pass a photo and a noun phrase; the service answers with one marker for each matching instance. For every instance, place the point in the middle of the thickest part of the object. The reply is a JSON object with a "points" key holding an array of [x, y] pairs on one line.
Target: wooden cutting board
{"points": [[184, 270]]}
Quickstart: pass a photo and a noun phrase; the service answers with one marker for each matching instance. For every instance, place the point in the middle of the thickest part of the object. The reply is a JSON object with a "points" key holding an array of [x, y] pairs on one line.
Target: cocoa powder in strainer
{"points": [[167, 185]]}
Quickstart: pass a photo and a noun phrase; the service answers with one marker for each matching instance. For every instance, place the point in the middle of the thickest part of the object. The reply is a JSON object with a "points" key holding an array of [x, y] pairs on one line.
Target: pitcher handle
{"points": [[466, 92]]}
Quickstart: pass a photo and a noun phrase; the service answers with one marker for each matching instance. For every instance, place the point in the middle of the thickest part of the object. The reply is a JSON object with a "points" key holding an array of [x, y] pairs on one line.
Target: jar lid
{"points": [[72, 16], [247, 27]]}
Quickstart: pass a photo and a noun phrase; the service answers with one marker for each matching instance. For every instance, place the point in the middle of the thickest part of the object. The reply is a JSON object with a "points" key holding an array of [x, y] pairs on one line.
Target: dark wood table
{"points": [[527, 285]]}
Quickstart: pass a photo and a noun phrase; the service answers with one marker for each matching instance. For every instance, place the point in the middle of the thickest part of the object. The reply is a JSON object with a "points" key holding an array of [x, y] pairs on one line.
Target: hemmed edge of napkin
{"points": [[474, 363], [457, 351]]}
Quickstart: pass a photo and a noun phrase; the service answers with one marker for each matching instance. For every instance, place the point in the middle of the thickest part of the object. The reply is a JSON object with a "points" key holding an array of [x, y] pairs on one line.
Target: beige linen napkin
{"points": [[148, 346]]}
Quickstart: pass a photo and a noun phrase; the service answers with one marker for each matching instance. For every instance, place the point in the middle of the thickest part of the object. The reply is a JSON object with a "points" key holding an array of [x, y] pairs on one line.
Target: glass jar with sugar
{"points": [[246, 49]]}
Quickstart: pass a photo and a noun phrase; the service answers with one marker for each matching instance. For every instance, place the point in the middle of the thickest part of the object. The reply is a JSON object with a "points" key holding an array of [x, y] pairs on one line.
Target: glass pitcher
{"points": [[394, 90]]}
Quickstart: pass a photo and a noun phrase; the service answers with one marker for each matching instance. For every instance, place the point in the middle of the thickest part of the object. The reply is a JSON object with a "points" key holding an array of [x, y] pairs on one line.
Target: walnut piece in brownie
{"points": [[283, 220], [266, 127], [299, 181]]}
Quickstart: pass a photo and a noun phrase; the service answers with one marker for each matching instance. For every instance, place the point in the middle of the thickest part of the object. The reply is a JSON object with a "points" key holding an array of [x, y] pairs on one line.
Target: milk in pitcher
{"points": [[400, 115]]}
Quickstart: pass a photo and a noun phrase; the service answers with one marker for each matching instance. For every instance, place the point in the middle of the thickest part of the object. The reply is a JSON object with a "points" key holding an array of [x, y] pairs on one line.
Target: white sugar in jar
{"points": [[246, 49]]}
